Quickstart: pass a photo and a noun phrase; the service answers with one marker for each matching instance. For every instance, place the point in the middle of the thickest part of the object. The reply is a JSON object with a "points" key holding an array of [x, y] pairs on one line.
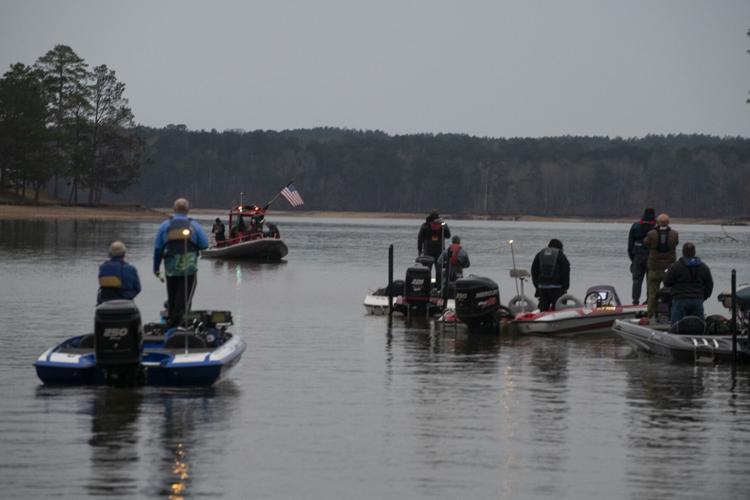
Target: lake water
{"points": [[329, 403]]}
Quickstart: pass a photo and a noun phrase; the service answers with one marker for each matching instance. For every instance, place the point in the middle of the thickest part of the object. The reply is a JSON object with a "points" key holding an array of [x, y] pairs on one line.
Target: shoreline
{"points": [[63, 212], [135, 212]]}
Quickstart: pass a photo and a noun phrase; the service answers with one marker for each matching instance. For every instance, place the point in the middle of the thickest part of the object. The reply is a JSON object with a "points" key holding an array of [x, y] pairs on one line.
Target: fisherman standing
{"points": [[458, 258], [179, 242], [661, 242], [219, 231], [431, 239], [691, 283], [117, 278], [550, 273], [638, 252]]}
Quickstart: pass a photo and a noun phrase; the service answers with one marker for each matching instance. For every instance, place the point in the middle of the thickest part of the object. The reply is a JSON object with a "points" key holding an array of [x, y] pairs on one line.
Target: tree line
{"points": [[342, 169], [63, 123]]}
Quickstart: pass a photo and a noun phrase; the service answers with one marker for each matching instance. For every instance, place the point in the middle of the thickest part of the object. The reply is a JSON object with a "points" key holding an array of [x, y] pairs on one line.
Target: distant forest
{"points": [[67, 129], [350, 170]]}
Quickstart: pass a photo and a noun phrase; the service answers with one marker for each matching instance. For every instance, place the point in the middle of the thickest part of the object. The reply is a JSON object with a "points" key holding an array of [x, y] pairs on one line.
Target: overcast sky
{"points": [[488, 68]]}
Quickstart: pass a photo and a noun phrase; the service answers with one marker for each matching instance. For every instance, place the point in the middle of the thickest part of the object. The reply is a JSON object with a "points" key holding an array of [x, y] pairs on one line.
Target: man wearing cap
{"points": [[638, 253], [691, 283], [661, 242], [117, 278], [179, 242]]}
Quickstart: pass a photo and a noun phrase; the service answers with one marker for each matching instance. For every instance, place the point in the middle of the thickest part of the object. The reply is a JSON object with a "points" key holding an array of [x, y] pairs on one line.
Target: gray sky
{"points": [[487, 68]]}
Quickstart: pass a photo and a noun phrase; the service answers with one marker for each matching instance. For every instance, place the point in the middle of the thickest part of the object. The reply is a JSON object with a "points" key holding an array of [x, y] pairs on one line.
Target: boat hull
{"points": [[377, 305], [161, 367], [680, 347], [573, 322], [260, 249]]}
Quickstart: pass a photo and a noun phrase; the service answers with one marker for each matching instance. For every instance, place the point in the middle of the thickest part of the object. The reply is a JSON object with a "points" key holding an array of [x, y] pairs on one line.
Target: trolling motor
{"points": [[118, 342]]}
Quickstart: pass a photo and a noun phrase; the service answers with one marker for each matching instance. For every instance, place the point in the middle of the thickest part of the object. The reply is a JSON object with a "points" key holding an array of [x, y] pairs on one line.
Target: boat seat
{"points": [[716, 324], [86, 342], [689, 325]]}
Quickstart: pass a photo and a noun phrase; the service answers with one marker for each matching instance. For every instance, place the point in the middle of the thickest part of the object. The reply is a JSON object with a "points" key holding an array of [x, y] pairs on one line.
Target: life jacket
{"points": [[180, 252], [662, 244], [433, 243], [454, 249], [110, 280], [436, 229], [548, 263]]}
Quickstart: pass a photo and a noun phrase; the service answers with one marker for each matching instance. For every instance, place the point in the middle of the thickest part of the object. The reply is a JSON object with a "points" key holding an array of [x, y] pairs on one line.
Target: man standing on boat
{"points": [[459, 259], [431, 239], [550, 273], [117, 278], [662, 243], [638, 252], [219, 231], [691, 283], [179, 242]]}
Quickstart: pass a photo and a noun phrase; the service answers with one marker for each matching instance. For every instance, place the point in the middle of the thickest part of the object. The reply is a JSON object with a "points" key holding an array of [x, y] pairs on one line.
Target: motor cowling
{"points": [[118, 338], [417, 284], [477, 299]]}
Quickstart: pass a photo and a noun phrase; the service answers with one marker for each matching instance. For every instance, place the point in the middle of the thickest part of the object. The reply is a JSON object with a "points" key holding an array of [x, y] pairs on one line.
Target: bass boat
{"points": [[416, 295], [692, 339], [571, 317], [122, 352]]}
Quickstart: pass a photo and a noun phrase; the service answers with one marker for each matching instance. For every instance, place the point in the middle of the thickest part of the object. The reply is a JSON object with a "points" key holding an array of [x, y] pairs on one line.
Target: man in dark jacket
{"points": [[550, 273], [638, 252], [662, 243], [691, 284], [431, 239], [117, 278]]}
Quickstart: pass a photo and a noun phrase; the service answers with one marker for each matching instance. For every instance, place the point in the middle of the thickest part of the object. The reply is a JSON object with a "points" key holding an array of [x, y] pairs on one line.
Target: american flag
{"points": [[292, 195]]}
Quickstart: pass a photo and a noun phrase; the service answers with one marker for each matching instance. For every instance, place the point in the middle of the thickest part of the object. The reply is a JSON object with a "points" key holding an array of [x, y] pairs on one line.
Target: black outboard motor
{"points": [[417, 286], [477, 301], [118, 342]]}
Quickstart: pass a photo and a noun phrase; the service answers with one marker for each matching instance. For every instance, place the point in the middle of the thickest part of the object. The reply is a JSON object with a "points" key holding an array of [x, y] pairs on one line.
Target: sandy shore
{"points": [[122, 212], [111, 212]]}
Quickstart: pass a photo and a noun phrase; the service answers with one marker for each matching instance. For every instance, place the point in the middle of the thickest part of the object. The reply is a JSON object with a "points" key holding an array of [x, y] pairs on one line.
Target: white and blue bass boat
{"points": [[122, 352]]}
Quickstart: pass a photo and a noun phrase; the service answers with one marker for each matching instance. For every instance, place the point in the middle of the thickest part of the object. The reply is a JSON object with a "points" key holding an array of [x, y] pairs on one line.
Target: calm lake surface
{"points": [[329, 403]]}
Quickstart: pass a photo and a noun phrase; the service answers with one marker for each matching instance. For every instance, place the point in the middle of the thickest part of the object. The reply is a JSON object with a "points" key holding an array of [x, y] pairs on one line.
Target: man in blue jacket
{"points": [[117, 278], [691, 284], [179, 242]]}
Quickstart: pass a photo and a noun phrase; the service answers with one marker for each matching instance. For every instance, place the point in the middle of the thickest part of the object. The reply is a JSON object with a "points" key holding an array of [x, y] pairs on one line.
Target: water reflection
{"points": [[666, 403], [245, 270], [114, 441], [187, 417], [550, 411]]}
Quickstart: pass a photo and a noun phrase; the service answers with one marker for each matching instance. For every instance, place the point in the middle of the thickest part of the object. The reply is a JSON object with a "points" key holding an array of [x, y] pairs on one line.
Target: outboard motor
{"points": [[417, 285], [118, 342], [477, 300]]}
